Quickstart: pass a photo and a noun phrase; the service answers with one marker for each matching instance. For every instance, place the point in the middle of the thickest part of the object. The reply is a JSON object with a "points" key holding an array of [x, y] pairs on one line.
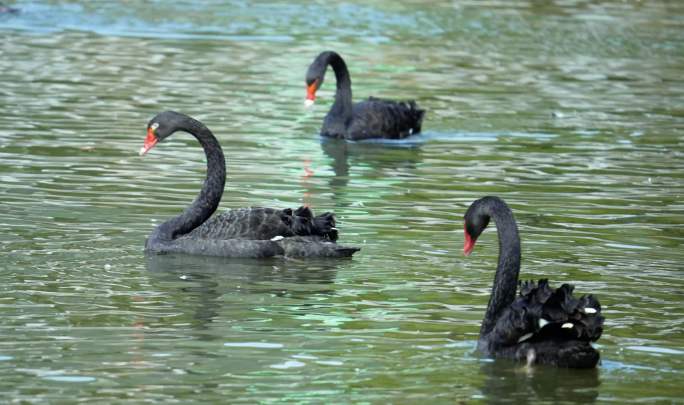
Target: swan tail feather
{"points": [[333, 235], [303, 226], [287, 217], [303, 222], [299, 222], [416, 115], [304, 211], [324, 225], [549, 315]]}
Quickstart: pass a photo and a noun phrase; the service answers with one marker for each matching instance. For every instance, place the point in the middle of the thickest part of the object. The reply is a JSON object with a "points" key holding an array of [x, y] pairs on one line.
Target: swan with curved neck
{"points": [[244, 232], [542, 325], [372, 118]]}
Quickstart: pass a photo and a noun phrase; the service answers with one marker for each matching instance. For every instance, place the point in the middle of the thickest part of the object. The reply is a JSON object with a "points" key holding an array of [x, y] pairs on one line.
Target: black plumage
{"points": [[267, 223], [244, 232], [546, 325], [373, 118], [8, 10]]}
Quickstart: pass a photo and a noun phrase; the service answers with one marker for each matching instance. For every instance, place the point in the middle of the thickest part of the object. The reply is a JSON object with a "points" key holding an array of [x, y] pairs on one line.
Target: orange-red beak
{"points": [[469, 243], [311, 93], [149, 142]]}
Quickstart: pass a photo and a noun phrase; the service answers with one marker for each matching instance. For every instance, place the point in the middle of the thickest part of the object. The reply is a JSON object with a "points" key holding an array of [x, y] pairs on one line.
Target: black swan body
{"points": [[544, 325], [245, 232], [372, 118], [8, 10]]}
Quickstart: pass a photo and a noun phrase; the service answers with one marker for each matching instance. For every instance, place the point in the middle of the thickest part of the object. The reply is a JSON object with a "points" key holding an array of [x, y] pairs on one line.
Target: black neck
{"points": [[343, 96], [208, 199], [508, 269]]}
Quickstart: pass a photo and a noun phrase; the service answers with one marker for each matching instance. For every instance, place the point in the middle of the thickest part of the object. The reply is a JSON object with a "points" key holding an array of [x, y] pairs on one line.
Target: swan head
{"points": [[474, 223], [311, 89], [315, 75], [161, 127]]}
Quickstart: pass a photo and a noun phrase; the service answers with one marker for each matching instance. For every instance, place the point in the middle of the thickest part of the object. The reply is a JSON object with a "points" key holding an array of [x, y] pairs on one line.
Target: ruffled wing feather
{"points": [[267, 223], [544, 314]]}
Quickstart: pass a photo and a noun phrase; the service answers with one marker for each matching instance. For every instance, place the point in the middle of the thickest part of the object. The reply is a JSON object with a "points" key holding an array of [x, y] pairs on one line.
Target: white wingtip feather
{"points": [[525, 337], [567, 325], [277, 238], [543, 322], [590, 310]]}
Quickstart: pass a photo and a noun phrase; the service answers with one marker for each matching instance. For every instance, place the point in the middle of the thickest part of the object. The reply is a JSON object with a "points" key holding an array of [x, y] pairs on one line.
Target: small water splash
{"points": [[288, 364]]}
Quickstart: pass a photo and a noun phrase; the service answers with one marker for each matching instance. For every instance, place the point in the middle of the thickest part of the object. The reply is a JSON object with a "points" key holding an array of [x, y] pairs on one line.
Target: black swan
{"points": [[245, 232], [8, 10], [372, 118], [544, 325]]}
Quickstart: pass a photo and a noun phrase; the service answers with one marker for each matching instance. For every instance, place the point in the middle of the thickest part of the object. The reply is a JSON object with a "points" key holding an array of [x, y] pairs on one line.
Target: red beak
{"points": [[469, 243], [149, 142], [311, 91]]}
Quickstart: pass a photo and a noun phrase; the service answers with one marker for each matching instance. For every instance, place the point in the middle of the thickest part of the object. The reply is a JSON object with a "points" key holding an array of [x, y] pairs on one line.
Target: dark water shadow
{"points": [[210, 279], [509, 383]]}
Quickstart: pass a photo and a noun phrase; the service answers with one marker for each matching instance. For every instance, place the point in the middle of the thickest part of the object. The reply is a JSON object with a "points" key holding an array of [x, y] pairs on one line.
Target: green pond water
{"points": [[572, 111]]}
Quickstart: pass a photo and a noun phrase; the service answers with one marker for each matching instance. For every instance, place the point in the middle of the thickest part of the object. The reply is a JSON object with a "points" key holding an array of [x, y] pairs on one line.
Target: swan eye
{"points": [[154, 126]]}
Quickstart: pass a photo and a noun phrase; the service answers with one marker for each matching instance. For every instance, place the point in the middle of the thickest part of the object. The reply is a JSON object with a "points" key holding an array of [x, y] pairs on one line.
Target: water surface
{"points": [[572, 111]]}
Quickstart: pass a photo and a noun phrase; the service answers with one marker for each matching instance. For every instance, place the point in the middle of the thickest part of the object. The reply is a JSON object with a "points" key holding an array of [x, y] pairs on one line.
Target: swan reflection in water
{"points": [[207, 286], [511, 383], [388, 160]]}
